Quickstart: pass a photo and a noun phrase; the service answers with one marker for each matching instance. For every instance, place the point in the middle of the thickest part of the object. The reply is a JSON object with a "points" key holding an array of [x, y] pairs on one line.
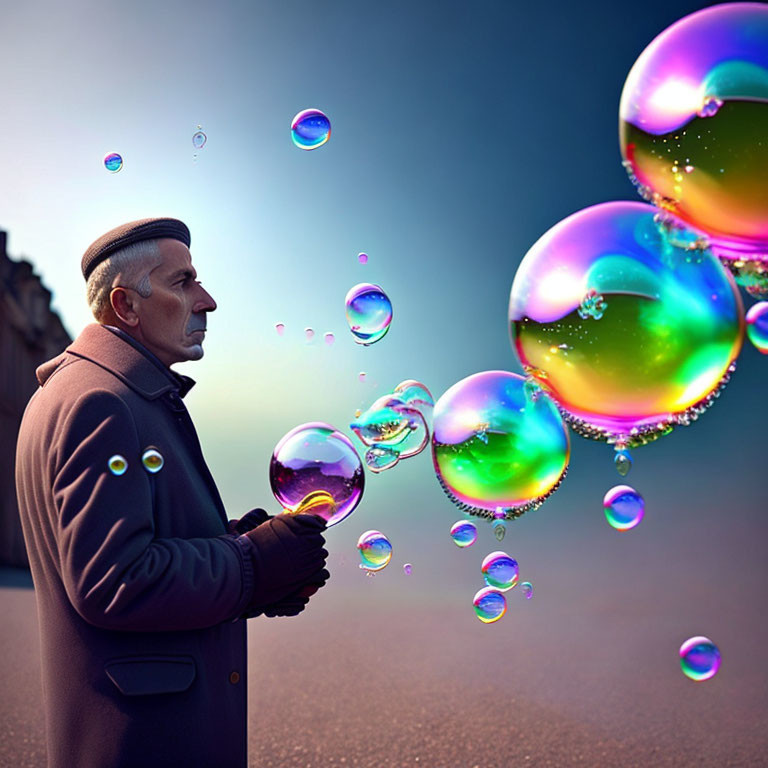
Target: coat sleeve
{"points": [[116, 573]]}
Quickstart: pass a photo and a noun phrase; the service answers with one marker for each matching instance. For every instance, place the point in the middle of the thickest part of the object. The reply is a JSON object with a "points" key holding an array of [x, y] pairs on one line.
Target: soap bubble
{"points": [[309, 334], [310, 129], [500, 571], [495, 447], [392, 423], [361, 376], [369, 313], [624, 507], [623, 461], [329, 338], [375, 550], [499, 530], [693, 122], [381, 457], [414, 394], [113, 162], [490, 605], [757, 325], [527, 589], [407, 568], [362, 258], [280, 328], [699, 658], [464, 533], [671, 327], [199, 139], [317, 457], [152, 460], [117, 464]]}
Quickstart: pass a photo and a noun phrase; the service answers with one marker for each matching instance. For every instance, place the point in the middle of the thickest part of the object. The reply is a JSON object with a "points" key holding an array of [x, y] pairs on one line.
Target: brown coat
{"points": [[138, 584]]}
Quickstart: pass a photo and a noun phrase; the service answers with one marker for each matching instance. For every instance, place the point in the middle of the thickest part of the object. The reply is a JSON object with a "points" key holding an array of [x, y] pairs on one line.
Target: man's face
{"points": [[172, 320]]}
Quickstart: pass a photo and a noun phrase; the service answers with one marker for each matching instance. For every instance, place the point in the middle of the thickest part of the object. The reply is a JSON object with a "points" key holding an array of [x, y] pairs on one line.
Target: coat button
{"points": [[234, 678]]}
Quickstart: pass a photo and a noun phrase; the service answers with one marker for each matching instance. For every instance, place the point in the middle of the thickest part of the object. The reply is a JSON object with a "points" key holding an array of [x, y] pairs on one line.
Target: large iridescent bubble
{"points": [[693, 127], [626, 321], [369, 313], [316, 457], [498, 447]]}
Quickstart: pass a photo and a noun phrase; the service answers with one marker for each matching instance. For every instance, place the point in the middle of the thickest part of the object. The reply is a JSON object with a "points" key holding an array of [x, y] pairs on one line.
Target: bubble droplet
{"points": [[280, 328], [527, 589], [117, 464], [699, 658], [500, 571], [361, 376], [623, 461], [381, 457], [407, 568], [464, 533], [362, 258], [375, 550], [329, 338], [152, 460], [757, 326], [624, 507], [369, 313], [499, 530], [489, 604], [113, 162], [309, 334], [310, 129], [199, 139]]}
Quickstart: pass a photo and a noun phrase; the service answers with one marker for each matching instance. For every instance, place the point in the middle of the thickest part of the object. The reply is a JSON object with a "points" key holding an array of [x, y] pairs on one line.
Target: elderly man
{"points": [[141, 582]]}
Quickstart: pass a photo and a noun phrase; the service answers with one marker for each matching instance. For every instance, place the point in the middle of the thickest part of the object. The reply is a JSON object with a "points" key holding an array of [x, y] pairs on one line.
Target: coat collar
{"points": [[125, 358]]}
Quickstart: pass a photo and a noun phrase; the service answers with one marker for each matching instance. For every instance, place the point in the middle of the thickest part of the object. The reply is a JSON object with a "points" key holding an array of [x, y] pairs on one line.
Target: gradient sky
{"points": [[461, 131]]}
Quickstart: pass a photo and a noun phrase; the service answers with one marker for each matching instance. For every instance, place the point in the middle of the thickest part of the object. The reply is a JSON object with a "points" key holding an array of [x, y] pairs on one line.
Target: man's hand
{"points": [[287, 556], [295, 603], [249, 521]]}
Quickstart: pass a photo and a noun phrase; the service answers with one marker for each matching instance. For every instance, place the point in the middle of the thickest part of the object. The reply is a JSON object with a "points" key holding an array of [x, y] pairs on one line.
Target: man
{"points": [[141, 582]]}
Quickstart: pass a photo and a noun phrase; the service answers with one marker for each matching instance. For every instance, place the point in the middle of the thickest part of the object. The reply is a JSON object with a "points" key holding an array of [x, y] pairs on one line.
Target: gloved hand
{"points": [[287, 555], [295, 603], [249, 521]]}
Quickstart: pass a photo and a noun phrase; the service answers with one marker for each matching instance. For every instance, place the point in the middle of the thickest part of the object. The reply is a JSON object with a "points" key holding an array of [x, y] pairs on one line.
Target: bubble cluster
{"points": [[693, 122], [624, 507], [396, 425], [494, 447], [464, 533], [152, 460], [310, 129], [699, 658], [670, 329], [375, 550], [500, 571], [369, 313], [489, 604], [317, 457], [113, 162], [117, 464], [757, 326]]}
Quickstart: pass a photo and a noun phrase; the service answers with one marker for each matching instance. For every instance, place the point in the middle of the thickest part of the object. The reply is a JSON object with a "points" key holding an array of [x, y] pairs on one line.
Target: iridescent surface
{"points": [[317, 457], [757, 326], [699, 658], [624, 507], [375, 550], [310, 129], [496, 446], [117, 464], [671, 325], [318, 503], [113, 162], [152, 460], [490, 605], [500, 571], [694, 121], [527, 589], [464, 533], [369, 313]]}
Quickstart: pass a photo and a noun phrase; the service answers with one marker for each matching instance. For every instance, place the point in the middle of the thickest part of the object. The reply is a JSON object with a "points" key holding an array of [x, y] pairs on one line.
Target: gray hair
{"points": [[128, 267]]}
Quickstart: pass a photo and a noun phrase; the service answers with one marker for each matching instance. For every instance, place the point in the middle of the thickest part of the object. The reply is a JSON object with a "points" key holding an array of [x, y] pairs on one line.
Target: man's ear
{"points": [[123, 305]]}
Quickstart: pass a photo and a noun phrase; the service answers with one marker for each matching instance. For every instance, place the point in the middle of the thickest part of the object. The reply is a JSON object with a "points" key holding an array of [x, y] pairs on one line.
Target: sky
{"points": [[461, 132]]}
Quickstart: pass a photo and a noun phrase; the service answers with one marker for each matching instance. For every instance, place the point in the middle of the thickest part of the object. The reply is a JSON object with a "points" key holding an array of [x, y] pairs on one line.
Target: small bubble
{"points": [[199, 139], [464, 533], [361, 376], [624, 507], [499, 530], [407, 568], [622, 461], [500, 571], [309, 334], [699, 658], [362, 258], [280, 328], [117, 465], [527, 589], [489, 604], [329, 338], [152, 460], [113, 162], [375, 550]]}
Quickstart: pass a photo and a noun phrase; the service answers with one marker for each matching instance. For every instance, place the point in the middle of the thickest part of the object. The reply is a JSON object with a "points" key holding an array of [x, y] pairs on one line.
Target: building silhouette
{"points": [[30, 334]]}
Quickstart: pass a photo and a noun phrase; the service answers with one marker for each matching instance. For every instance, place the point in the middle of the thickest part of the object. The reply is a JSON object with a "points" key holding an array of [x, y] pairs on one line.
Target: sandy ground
{"points": [[378, 682]]}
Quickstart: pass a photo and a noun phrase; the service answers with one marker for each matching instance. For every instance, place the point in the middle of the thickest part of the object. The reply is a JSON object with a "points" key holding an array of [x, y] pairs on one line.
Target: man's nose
{"points": [[204, 302]]}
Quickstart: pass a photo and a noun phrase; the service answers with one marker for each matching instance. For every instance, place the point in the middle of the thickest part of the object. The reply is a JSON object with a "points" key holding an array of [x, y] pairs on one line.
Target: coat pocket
{"points": [[144, 675]]}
